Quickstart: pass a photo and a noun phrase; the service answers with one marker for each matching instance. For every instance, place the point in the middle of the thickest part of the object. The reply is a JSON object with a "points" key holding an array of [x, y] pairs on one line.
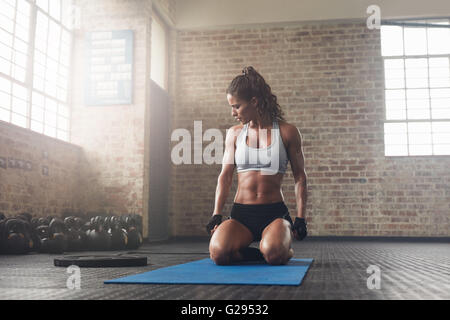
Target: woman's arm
{"points": [[226, 175], [295, 154]]}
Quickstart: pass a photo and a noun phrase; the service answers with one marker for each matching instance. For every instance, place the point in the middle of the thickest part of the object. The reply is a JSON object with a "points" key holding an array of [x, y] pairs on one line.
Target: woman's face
{"points": [[241, 110]]}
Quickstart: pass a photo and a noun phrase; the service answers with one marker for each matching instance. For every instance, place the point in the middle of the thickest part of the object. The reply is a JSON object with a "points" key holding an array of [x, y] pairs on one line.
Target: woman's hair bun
{"points": [[246, 71]]}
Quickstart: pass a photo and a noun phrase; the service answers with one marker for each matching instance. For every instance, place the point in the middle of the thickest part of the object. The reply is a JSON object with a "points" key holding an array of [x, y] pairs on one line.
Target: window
{"points": [[159, 52], [35, 55], [416, 58]]}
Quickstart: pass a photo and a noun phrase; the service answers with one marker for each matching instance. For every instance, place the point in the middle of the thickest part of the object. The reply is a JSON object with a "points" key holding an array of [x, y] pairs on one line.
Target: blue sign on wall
{"points": [[109, 67]]}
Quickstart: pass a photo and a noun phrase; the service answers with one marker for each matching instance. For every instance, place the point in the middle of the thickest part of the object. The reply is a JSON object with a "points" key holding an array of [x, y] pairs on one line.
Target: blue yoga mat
{"points": [[205, 271]]}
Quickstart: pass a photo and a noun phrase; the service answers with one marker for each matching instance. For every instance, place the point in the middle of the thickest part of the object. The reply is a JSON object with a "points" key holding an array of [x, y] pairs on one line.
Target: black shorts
{"points": [[258, 216]]}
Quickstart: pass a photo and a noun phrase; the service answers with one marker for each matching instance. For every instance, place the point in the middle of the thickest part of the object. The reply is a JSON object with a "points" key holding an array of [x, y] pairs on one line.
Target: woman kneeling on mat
{"points": [[260, 148]]}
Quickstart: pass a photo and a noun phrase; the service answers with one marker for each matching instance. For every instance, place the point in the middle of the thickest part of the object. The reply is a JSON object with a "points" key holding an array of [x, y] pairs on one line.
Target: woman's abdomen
{"points": [[257, 188]]}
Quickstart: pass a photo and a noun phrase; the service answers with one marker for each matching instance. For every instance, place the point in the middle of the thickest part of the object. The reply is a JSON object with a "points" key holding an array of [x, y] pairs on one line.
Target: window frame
{"points": [[28, 82], [407, 23], [157, 18]]}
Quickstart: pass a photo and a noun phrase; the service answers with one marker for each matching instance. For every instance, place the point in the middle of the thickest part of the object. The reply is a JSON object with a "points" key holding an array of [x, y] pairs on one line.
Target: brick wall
{"points": [[38, 174], [114, 138], [329, 80]]}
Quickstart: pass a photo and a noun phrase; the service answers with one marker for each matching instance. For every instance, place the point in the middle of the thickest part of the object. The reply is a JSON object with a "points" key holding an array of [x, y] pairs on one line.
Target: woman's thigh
{"points": [[276, 240], [230, 235]]}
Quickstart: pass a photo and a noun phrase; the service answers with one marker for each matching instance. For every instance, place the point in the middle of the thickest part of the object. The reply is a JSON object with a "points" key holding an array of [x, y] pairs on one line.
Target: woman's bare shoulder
{"points": [[287, 128]]}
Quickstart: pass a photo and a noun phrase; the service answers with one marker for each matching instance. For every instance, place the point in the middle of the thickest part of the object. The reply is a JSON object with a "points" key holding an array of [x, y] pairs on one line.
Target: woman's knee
{"points": [[275, 254], [219, 254]]}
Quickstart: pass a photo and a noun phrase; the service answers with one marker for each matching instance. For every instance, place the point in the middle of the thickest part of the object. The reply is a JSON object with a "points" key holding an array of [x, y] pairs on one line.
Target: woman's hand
{"points": [[299, 229], [213, 223]]}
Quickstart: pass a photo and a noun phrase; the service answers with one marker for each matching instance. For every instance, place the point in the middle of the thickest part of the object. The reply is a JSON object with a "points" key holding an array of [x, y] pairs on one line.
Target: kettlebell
{"points": [[58, 236], [15, 237], [119, 236], [79, 226], [73, 236], [134, 236], [99, 239], [45, 243]]}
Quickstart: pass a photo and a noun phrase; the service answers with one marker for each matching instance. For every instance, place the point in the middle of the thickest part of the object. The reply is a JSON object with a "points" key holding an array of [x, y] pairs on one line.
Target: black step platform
{"points": [[102, 261]]}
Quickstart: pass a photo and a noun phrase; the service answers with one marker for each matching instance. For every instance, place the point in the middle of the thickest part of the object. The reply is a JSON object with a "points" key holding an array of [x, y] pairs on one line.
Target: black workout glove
{"points": [[300, 228], [215, 220]]}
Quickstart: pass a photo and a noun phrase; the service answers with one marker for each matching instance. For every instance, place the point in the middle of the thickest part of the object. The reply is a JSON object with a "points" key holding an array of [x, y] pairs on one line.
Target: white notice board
{"points": [[109, 67]]}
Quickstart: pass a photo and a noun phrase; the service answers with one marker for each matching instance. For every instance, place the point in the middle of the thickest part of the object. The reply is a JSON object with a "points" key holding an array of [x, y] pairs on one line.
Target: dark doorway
{"points": [[159, 163]]}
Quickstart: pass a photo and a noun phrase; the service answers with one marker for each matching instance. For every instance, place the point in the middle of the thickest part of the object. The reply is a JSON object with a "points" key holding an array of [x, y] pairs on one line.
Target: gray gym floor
{"points": [[409, 270]]}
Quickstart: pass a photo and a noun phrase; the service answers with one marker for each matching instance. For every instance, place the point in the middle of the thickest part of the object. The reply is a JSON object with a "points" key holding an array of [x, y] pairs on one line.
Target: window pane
{"points": [[5, 66], [50, 131], [418, 114], [417, 94], [22, 20], [441, 149], [415, 41], [21, 33], [395, 110], [62, 82], [50, 119], [5, 52], [19, 106], [419, 127], [8, 10], [420, 138], [6, 38], [38, 83], [63, 135], [440, 113], [416, 73], [55, 9], [19, 120], [394, 73], [396, 150], [395, 128], [68, 13], [61, 94], [6, 23], [391, 41], [4, 114], [5, 100], [440, 93], [39, 70], [43, 4], [40, 57], [37, 126], [63, 110], [20, 46], [38, 99], [37, 113], [54, 36], [18, 73], [23, 7], [50, 105], [20, 59], [396, 139], [439, 39], [5, 85], [441, 127], [20, 91], [420, 150], [50, 88], [441, 138], [63, 123]]}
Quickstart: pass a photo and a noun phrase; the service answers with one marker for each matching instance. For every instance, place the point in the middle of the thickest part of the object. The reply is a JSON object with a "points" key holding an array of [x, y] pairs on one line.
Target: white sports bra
{"points": [[269, 160]]}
